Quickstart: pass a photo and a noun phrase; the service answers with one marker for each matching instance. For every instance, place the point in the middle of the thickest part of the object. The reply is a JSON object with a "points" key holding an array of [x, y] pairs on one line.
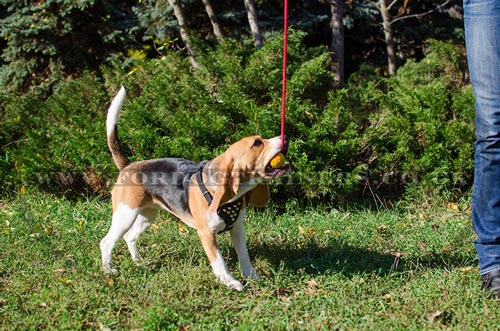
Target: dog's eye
{"points": [[257, 143]]}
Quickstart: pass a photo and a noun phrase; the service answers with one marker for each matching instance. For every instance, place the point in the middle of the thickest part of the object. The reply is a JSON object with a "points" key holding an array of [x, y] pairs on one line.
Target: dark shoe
{"points": [[491, 283]]}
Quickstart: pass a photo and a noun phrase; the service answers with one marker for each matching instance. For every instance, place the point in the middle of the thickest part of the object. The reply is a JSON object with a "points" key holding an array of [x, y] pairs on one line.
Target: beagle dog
{"points": [[211, 196]]}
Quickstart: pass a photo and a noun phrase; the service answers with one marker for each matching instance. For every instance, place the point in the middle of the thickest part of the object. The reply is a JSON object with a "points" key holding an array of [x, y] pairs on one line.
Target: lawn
{"points": [[411, 267]]}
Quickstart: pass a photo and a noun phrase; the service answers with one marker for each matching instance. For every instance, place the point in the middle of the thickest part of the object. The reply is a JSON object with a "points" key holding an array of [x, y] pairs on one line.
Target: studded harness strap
{"points": [[228, 212]]}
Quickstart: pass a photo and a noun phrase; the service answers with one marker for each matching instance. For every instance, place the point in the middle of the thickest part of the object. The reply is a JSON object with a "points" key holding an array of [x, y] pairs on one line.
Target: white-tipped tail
{"points": [[114, 111], [119, 157]]}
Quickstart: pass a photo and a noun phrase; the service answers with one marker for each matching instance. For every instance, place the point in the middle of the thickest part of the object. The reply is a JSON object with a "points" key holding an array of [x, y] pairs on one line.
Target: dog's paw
{"points": [[250, 274], [232, 283], [109, 270], [236, 286]]}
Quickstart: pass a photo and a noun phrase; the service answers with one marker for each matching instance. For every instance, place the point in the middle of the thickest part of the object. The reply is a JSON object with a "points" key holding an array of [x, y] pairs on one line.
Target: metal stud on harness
{"points": [[228, 212]]}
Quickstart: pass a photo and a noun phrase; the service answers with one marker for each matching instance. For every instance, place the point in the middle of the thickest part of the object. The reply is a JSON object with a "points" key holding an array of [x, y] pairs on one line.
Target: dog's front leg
{"points": [[239, 242], [217, 262]]}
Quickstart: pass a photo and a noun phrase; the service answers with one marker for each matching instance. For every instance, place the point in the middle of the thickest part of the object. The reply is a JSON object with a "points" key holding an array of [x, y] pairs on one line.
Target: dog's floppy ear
{"points": [[259, 196], [234, 180], [227, 180]]}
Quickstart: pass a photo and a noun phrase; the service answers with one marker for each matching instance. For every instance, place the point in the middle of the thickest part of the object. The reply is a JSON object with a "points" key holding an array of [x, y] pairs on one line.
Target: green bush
{"points": [[423, 127], [376, 135], [59, 143]]}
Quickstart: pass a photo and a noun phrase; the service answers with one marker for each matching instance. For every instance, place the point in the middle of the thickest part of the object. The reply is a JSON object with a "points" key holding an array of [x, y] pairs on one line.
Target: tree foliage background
{"points": [[46, 41]]}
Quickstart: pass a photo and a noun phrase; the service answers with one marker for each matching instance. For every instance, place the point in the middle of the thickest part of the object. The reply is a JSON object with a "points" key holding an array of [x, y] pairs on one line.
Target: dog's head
{"points": [[251, 157], [245, 167]]}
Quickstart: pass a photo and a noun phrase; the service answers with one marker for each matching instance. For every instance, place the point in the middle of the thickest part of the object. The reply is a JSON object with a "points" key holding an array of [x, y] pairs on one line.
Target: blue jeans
{"points": [[482, 37]]}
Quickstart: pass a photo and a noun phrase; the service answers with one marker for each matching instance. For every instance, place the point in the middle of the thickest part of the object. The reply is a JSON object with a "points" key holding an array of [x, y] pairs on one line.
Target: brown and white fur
{"points": [[144, 187]]}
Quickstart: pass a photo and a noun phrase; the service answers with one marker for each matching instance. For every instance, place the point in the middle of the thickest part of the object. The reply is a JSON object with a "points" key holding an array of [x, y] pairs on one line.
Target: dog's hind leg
{"points": [[144, 219], [123, 219]]}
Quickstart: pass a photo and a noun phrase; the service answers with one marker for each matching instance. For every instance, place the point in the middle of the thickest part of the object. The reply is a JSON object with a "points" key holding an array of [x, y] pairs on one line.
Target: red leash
{"points": [[283, 93]]}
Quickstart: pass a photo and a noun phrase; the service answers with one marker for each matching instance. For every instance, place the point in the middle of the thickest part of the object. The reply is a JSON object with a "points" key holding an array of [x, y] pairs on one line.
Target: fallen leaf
{"points": [[453, 206], [332, 232], [465, 270], [360, 280], [284, 294], [382, 229], [421, 246], [312, 283], [183, 230], [387, 297], [447, 249], [103, 327], [308, 232], [109, 281], [434, 315], [65, 280]]}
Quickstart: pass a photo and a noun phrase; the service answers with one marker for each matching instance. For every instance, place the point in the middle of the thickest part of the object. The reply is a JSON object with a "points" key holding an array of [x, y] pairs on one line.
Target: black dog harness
{"points": [[228, 212]]}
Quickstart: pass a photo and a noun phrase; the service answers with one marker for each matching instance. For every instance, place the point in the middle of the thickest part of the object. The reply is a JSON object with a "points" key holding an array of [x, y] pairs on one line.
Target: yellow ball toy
{"points": [[277, 161]]}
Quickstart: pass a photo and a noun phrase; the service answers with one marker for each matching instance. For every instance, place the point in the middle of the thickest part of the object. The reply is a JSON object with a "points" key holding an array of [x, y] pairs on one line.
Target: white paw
{"points": [[108, 269], [230, 282], [236, 286]]}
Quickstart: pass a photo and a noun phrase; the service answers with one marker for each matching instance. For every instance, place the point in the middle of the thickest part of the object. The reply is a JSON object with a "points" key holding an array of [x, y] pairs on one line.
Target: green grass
{"points": [[321, 269]]}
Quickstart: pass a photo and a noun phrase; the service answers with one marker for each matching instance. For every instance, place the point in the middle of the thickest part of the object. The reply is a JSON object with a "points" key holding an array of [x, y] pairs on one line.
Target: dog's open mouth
{"points": [[276, 172], [273, 172]]}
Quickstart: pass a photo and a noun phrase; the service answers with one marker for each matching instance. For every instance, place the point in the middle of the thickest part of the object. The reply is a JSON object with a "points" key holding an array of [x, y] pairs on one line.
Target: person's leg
{"points": [[482, 34]]}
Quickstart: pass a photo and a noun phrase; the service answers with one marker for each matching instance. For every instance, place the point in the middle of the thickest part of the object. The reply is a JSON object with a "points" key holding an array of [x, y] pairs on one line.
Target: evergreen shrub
{"points": [[422, 132], [375, 135]]}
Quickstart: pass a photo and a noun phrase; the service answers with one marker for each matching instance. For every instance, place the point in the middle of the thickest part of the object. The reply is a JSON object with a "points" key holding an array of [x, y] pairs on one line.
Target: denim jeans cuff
{"points": [[485, 271]]}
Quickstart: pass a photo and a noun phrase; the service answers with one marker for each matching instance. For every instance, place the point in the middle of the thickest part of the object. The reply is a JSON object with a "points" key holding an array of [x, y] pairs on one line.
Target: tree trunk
{"points": [[389, 39], [179, 15], [253, 21], [213, 20], [337, 46]]}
